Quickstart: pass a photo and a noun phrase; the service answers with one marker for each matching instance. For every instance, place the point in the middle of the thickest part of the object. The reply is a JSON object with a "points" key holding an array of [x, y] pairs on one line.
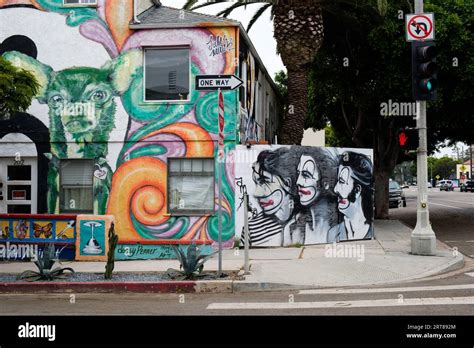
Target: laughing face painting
{"points": [[345, 191], [354, 191], [272, 193], [316, 177], [308, 180], [274, 177], [273, 190], [306, 194]]}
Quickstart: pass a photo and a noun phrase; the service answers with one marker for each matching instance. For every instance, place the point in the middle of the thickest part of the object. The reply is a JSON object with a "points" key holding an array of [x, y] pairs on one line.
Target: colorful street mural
{"points": [[130, 140], [304, 195], [18, 229], [92, 241]]}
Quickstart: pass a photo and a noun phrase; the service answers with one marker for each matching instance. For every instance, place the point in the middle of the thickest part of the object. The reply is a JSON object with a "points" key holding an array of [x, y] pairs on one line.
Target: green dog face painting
{"points": [[86, 103], [81, 112], [81, 101]]}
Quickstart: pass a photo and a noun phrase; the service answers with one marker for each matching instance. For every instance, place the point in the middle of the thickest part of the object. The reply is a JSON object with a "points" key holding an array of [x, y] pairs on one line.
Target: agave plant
{"points": [[45, 262], [191, 263]]}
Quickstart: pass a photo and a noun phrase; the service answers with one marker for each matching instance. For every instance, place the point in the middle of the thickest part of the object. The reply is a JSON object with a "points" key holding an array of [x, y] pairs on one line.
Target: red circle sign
{"points": [[424, 31]]}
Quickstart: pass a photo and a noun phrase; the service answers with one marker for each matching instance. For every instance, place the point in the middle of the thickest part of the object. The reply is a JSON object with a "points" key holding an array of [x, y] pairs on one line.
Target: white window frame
{"points": [[60, 193], [28, 161], [191, 212], [81, 4], [183, 101]]}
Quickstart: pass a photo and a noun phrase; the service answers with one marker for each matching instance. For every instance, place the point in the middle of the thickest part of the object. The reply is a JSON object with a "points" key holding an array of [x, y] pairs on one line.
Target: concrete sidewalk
{"points": [[386, 259]]}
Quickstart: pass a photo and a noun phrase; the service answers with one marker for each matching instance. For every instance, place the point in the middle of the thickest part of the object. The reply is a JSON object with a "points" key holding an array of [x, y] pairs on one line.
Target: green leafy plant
{"points": [[17, 89], [113, 240], [191, 263], [45, 262]]}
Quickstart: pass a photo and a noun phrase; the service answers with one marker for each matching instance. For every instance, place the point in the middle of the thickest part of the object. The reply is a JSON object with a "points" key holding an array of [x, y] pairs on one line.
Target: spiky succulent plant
{"points": [[45, 262], [191, 263]]}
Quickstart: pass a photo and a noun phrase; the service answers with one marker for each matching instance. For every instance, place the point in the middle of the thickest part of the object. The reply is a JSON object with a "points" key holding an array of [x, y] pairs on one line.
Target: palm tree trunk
{"points": [[291, 132]]}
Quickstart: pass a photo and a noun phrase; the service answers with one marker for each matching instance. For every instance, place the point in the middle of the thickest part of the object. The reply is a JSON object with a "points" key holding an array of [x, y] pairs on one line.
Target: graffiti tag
{"points": [[219, 45]]}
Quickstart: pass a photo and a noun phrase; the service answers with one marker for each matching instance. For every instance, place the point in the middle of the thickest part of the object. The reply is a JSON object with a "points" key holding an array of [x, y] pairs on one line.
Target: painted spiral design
{"points": [[138, 193]]}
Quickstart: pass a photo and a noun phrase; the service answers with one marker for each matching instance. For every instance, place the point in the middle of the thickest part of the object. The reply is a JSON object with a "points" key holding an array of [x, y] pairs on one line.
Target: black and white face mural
{"points": [[305, 195]]}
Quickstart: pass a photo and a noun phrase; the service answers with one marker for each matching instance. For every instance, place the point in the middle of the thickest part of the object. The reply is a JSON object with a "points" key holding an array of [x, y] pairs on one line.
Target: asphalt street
{"points": [[451, 216], [451, 294]]}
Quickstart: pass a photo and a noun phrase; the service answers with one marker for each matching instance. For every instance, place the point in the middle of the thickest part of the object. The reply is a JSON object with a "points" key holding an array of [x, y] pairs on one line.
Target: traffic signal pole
{"points": [[423, 239]]}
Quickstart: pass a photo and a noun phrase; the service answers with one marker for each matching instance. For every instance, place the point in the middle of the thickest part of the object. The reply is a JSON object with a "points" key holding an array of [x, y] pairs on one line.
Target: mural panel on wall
{"points": [[19, 229], [85, 104], [304, 195], [92, 242]]}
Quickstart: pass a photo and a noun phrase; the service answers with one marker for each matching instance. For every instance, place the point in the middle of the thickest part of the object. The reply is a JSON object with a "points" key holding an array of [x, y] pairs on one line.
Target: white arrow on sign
{"points": [[214, 82]]}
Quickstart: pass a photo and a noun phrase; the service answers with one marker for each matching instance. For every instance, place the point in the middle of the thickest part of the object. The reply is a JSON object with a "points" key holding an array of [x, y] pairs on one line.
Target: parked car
{"points": [[447, 185], [405, 186], [467, 186], [429, 185], [396, 197]]}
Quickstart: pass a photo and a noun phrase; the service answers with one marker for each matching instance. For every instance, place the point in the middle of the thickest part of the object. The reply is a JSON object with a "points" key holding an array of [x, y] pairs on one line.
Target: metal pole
{"points": [[470, 162], [246, 234], [431, 166], [220, 174], [423, 239]]}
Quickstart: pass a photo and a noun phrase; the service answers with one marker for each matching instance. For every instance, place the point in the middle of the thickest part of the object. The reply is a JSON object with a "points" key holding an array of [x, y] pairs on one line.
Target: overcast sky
{"points": [[261, 32]]}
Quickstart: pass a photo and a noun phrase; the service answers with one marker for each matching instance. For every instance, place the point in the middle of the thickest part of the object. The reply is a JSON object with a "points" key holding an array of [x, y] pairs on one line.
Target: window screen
{"points": [[77, 193], [166, 74], [191, 185], [80, 2]]}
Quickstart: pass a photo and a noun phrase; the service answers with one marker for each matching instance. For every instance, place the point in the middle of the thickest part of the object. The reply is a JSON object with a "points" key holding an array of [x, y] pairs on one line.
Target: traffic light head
{"points": [[424, 70]]}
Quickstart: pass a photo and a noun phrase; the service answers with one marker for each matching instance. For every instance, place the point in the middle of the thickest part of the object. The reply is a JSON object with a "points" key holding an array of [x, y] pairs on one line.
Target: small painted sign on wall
{"points": [[92, 238], [146, 252]]}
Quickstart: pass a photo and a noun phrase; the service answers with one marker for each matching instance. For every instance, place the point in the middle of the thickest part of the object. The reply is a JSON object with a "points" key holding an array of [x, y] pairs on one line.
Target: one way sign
{"points": [[215, 82]]}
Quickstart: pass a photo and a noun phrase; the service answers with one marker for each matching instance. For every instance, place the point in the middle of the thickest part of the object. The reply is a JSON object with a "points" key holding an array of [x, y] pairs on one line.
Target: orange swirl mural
{"points": [[139, 185]]}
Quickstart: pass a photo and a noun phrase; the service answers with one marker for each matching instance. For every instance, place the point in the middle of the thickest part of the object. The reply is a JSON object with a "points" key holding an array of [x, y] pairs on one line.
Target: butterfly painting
{"points": [[46, 230]]}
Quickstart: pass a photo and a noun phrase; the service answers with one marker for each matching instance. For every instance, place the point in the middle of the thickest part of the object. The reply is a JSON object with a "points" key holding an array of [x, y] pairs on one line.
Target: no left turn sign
{"points": [[420, 27]]}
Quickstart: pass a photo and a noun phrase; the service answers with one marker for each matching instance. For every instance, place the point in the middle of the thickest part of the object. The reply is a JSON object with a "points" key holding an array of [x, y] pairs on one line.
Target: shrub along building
{"points": [[118, 127]]}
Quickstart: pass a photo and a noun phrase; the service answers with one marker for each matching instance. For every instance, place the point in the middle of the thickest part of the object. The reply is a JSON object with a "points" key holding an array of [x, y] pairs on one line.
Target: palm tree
{"points": [[299, 32]]}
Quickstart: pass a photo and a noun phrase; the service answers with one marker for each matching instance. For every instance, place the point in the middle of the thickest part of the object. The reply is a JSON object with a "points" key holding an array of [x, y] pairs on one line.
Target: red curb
{"points": [[140, 287]]}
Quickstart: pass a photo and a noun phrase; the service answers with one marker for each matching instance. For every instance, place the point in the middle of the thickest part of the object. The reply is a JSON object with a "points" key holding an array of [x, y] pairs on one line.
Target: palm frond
{"points": [[189, 4], [192, 8], [225, 13], [257, 15]]}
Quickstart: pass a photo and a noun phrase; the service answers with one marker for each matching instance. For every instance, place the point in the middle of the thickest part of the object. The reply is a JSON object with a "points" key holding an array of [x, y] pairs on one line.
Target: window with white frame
{"points": [[80, 2], [167, 74], [77, 186], [190, 185]]}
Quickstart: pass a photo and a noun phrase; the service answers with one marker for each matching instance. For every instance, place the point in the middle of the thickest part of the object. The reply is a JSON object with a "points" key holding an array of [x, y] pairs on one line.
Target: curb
{"points": [[217, 286], [103, 287]]}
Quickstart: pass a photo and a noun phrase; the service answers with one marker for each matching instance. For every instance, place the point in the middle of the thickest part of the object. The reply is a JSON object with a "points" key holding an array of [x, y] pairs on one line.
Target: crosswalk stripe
{"points": [[393, 302], [385, 290], [444, 205], [448, 200], [459, 241]]}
